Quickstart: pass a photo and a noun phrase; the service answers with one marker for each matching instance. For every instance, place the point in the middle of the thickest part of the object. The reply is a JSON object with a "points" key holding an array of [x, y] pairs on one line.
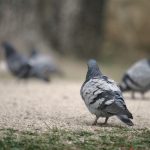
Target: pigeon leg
{"points": [[95, 121], [104, 123], [143, 97], [133, 95], [106, 120]]}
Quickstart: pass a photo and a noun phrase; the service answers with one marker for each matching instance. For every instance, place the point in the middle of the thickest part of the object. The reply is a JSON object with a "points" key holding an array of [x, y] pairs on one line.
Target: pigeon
{"points": [[43, 64], [20, 65], [137, 78], [103, 97], [17, 64]]}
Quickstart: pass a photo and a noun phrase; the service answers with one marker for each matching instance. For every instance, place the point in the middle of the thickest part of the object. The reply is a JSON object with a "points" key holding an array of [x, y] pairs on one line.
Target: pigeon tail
{"points": [[123, 87], [125, 119], [93, 70], [129, 114]]}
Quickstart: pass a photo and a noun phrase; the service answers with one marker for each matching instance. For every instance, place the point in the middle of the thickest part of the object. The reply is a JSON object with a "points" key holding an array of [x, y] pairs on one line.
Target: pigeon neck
{"points": [[93, 72], [33, 53]]}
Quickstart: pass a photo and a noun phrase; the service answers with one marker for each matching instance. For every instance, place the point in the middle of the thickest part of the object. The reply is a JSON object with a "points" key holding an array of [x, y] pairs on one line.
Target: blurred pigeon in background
{"points": [[21, 66], [17, 64], [137, 78], [102, 96], [43, 63]]}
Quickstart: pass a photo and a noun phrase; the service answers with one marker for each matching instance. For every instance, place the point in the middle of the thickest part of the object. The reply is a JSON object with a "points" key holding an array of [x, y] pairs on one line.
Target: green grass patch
{"points": [[56, 139]]}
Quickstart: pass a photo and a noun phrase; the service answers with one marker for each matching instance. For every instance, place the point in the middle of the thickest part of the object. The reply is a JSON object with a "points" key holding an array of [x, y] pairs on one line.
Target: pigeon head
{"points": [[8, 49], [93, 70], [33, 52]]}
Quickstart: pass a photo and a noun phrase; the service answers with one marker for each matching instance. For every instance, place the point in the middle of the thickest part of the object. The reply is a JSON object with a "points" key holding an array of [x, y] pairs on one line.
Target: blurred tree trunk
{"points": [[19, 21], [74, 26]]}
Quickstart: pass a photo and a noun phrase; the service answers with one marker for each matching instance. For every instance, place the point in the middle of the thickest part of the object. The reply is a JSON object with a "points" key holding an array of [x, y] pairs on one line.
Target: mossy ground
{"points": [[56, 139]]}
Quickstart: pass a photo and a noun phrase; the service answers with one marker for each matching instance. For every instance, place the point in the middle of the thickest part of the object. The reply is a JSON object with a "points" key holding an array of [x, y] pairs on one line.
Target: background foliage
{"points": [[105, 29]]}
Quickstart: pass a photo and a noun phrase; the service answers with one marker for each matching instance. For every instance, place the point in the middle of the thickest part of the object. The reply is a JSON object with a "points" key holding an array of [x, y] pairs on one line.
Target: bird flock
{"points": [[102, 96]]}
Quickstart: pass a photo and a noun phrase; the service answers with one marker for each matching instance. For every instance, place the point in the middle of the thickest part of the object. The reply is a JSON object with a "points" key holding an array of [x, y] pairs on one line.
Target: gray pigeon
{"points": [[17, 63], [102, 96], [20, 65], [43, 64], [137, 78]]}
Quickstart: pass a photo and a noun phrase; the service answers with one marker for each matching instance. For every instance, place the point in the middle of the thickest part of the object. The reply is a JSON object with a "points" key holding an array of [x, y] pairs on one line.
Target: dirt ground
{"points": [[40, 106]]}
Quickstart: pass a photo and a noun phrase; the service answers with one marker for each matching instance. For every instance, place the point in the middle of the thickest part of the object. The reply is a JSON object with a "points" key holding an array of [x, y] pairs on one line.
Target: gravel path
{"points": [[39, 106]]}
